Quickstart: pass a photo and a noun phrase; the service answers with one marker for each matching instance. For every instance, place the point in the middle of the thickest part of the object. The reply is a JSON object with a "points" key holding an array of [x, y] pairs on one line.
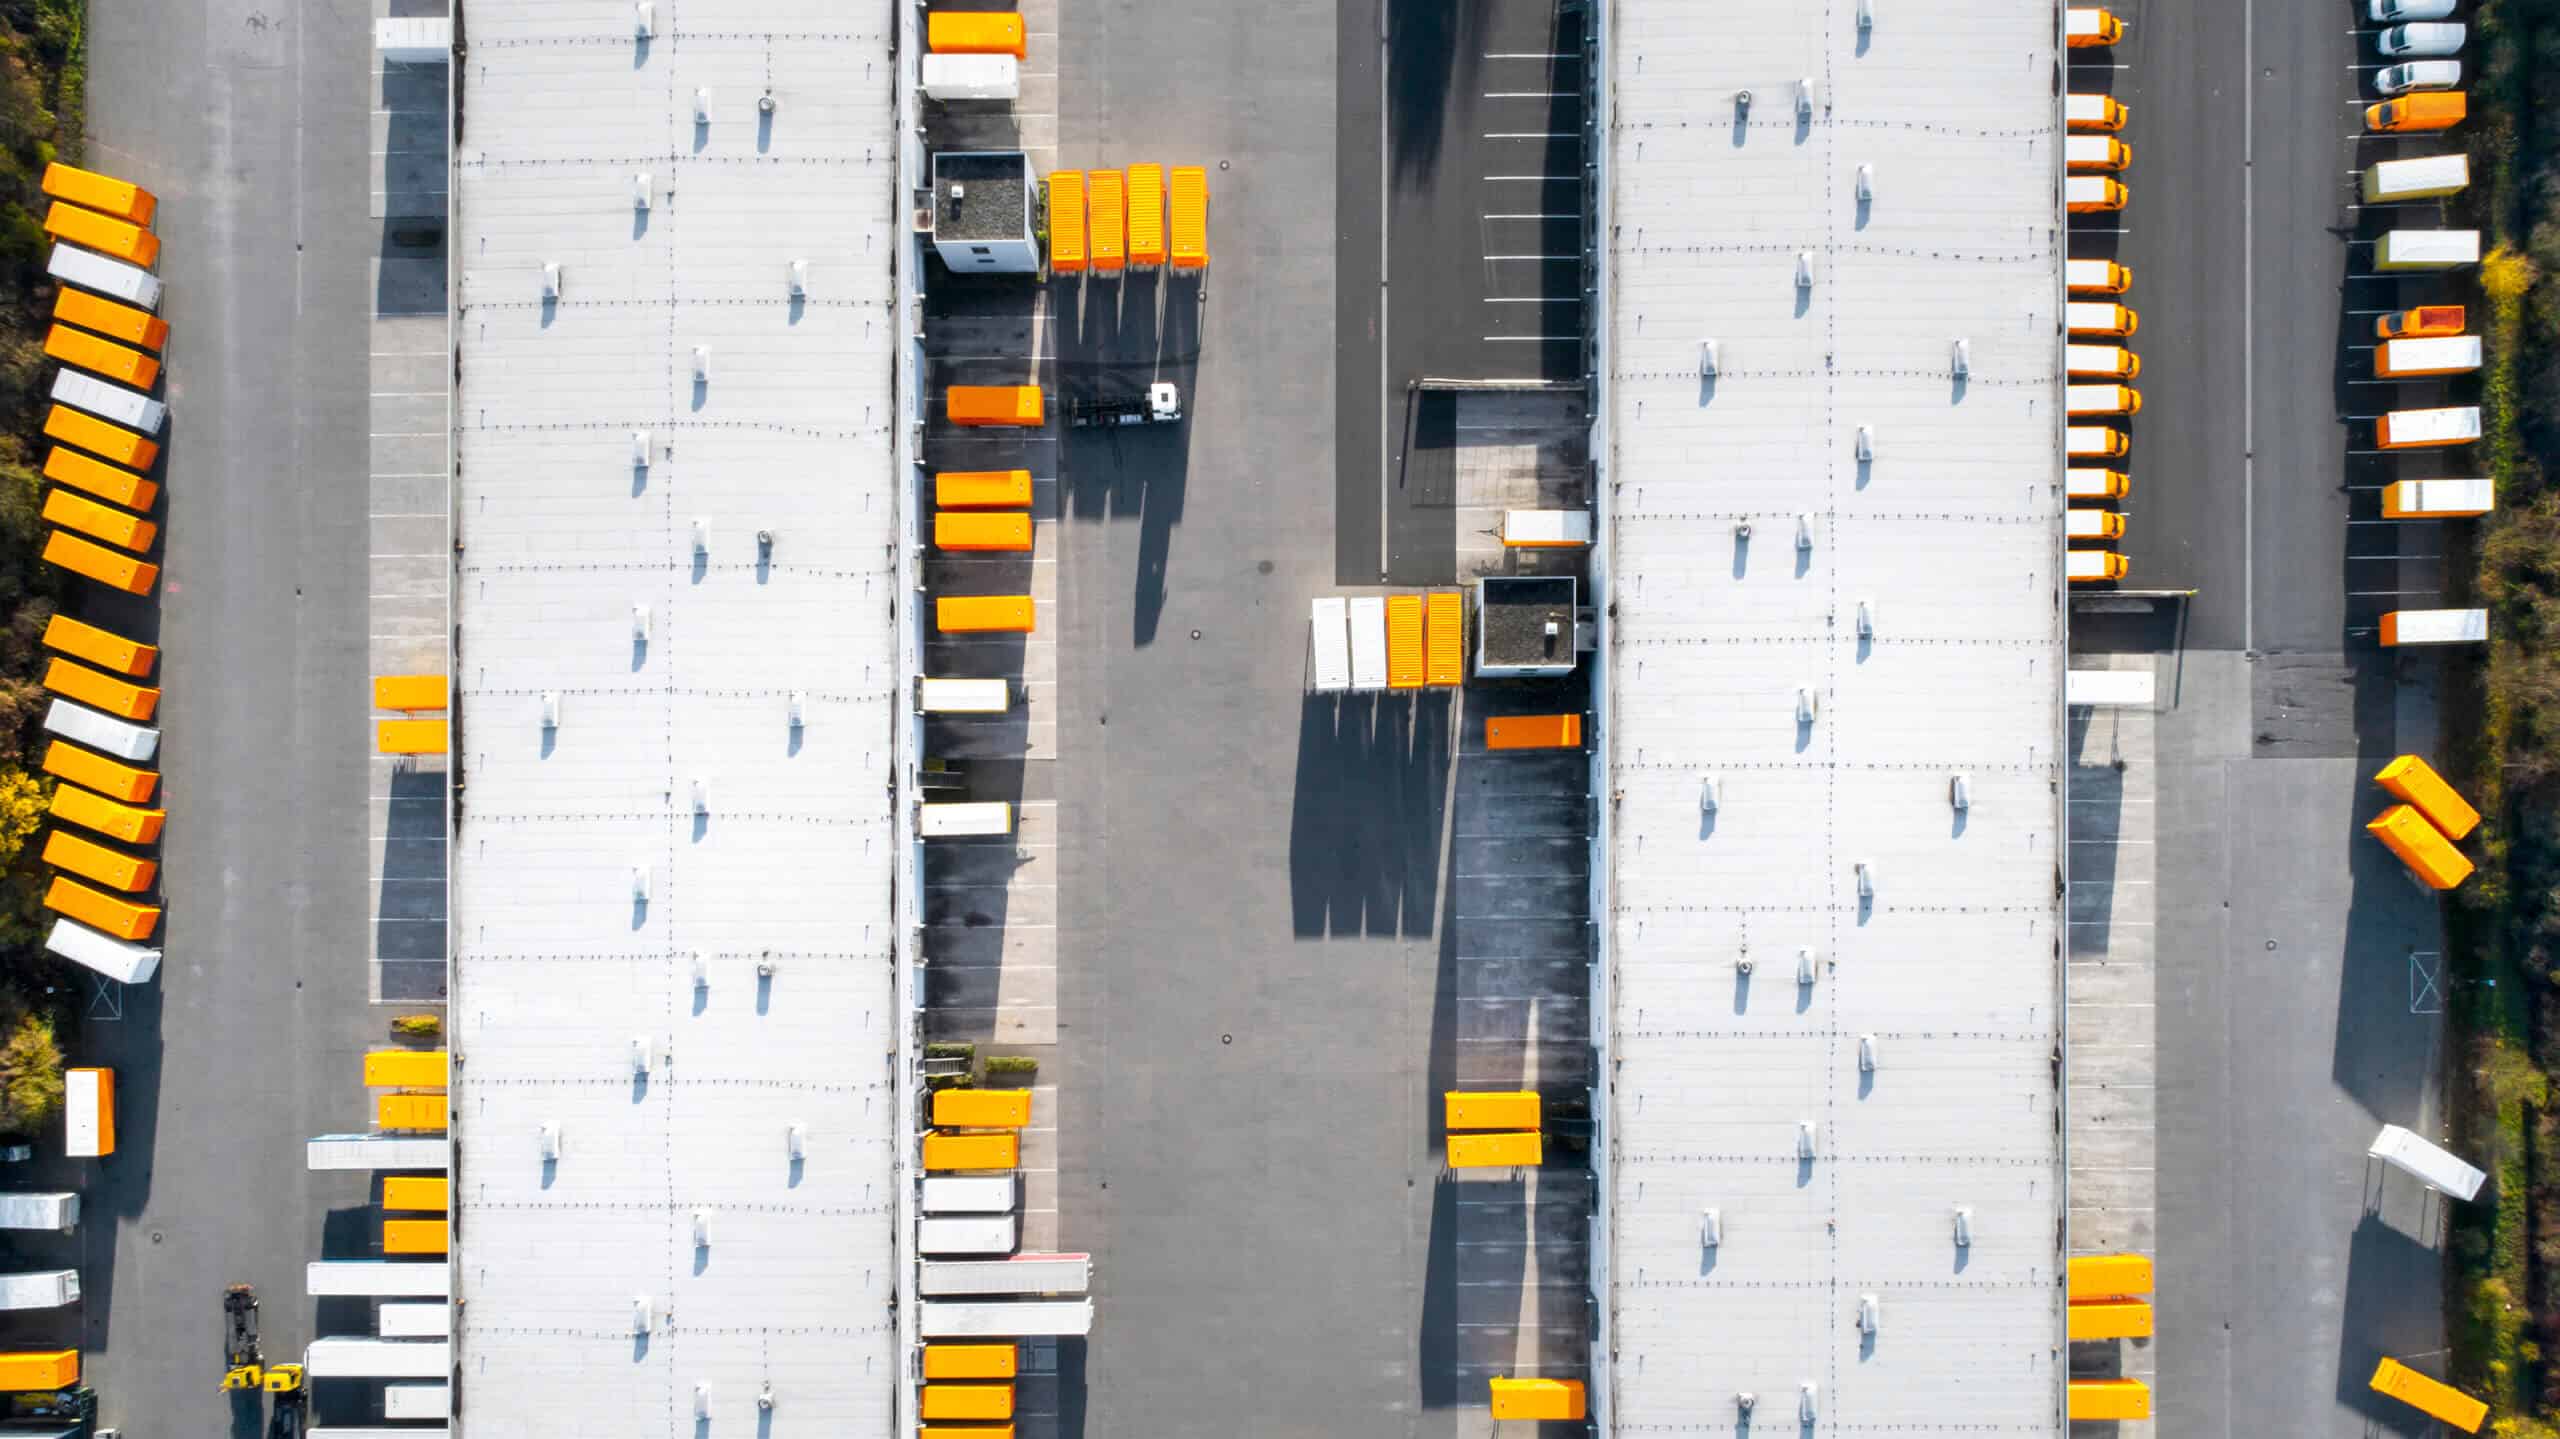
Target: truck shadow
{"points": [[1367, 813]]}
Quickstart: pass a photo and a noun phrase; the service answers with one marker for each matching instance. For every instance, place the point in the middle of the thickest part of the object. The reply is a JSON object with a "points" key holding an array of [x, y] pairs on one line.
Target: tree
{"points": [[30, 1074]]}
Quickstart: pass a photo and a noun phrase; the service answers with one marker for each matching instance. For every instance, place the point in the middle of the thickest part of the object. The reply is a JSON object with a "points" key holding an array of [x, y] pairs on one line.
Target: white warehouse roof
{"points": [[1950, 536], [586, 884]]}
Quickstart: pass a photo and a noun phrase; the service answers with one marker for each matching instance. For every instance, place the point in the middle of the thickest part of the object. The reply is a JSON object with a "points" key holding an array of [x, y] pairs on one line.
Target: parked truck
{"points": [[55, 1211], [2426, 249], [1003, 1319], [2427, 177], [2406, 359], [2422, 323], [1022, 1274], [39, 1289]]}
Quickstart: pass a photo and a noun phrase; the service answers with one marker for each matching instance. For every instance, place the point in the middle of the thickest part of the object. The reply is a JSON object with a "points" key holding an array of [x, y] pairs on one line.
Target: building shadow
{"points": [[1366, 814]]}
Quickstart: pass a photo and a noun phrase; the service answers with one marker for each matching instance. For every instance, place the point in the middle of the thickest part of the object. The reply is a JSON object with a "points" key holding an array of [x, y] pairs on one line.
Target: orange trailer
{"points": [[1190, 217], [1010, 405], [73, 805], [111, 318], [122, 199], [124, 572], [1533, 732], [97, 477], [110, 442], [101, 522], [65, 760], [101, 911], [982, 490], [71, 854], [124, 701], [103, 233], [103, 648], [1066, 222], [1109, 234]]}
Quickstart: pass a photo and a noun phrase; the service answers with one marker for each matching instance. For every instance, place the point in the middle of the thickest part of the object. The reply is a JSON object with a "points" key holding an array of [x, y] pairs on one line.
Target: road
{"points": [[2291, 1019], [249, 119]]}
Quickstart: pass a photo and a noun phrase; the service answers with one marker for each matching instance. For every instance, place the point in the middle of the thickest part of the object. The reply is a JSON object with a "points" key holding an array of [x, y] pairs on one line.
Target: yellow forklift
{"points": [[245, 1370]]}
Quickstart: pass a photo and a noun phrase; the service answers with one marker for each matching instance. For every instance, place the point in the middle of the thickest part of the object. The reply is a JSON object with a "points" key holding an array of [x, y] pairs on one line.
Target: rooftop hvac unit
{"points": [[701, 794], [551, 709], [1742, 964], [798, 706], [1870, 1313], [643, 1314], [1964, 358], [1804, 1139], [639, 449], [1804, 529], [642, 189], [1805, 969], [702, 1229], [1804, 98], [1711, 1227], [701, 970], [702, 364], [551, 281], [1866, 14], [644, 19], [796, 274], [1866, 1054], [639, 1054], [640, 622], [1866, 184], [1866, 442], [1866, 880], [1808, 704], [1744, 1401], [1959, 792], [1964, 1227], [702, 534], [702, 106], [765, 103], [1866, 619], [1804, 269], [1707, 795], [1804, 1402], [702, 1399], [795, 1141], [547, 1139], [640, 883], [1706, 359]]}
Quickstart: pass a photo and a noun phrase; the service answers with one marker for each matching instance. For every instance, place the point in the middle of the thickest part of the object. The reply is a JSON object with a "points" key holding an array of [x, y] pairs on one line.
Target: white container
{"points": [[2420, 178], [130, 408], [2091, 277], [113, 278], [1369, 643], [332, 1278], [88, 1113], [1022, 1274], [345, 1358], [39, 1289], [2089, 112], [1032, 1320], [415, 1321], [373, 1151], [972, 77], [2437, 499], [2441, 355], [2090, 190], [2421, 429], [2093, 152], [388, 1431], [2425, 1163], [1546, 529], [2095, 317], [2080, 524], [417, 1401], [2426, 249], [2109, 689], [974, 697], [414, 39], [121, 960], [2435, 627], [964, 820], [2112, 362], [100, 730], [970, 1194], [39, 1211], [1329, 642], [968, 1234]]}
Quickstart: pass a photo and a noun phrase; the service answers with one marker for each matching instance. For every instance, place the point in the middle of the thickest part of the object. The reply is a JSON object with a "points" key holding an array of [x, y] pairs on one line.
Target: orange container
{"points": [[97, 477], [966, 1401], [111, 318], [402, 1110], [106, 566], [995, 405], [2108, 1399], [1189, 217], [30, 1372], [103, 648], [1533, 732], [417, 1191], [64, 760], [2413, 781], [1445, 639], [1146, 217], [975, 32], [101, 911], [971, 1151], [1066, 222], [965, 530], [103, 233], [410, 736], [106, 692], [2420, 846], [105, 194], [102, 522], [414, 1236], [2106, 1276], [983, 614], [970, 1361], [115, 869], [106, 357], [1108, 237], [982, 490], [1404, 642], [73, 805], [410, 693], [112, 442], [981, 1108]]}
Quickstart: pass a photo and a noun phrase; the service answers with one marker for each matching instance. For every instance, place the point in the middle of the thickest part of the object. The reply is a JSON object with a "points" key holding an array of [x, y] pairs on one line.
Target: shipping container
{"points": [[2118, 1399], [39, 1289], [975, 32], [929, 1431], [972, 77], [1543, 1400], [402, 1110], [122, 199], [2449, 355], [981, 1108], [2391, 182], [2426, 1163], [2413, 781], [2095, 152], [411, 736], [1490, 1109], [1533, 732], [121, 698], [108, 442], [2092, 194], [372, 1151], [2426, 249], [964, 819], [971, 697], [1106, 238], [377, 1278], [1404, 642], [2421, 429], [983, 614], [116, 918], [97, 477], [2420, 846], [1496, 1151], [2422, 322], [971, 1151], [414, 1321], [2103, 362], [130, 408], [73, 805], [133, 742], [111, 318], [966, 1401], [98, 864], [1329, 644], [1546, 529], [104, 648], [1022, 1274], [2096, 277], [967, 1234], [2101, 400], [2435, 627], [429, 1192], [1189, 217], [407, 1068], [1368, 642], [56, 1211], [89, 1113], [1066, 229], [92, 271], [2100, 317], [103, 523], [2109, 1319], [413, 1236], [982, 490], [1009, 406], [415, 1401], [982, 531], [2437, 499], [1444, 633], [117, 959], [2429, 1396], [971, 1361], [411, 694], [2095, 566], [971, 1194], [115, 781], [2087, 25], [344, 1358], [113, 568], [116, 239], [121, 363], [1146, 217], [24, 1372], [2093, 112], [1001, 1319], [2095, 484]]}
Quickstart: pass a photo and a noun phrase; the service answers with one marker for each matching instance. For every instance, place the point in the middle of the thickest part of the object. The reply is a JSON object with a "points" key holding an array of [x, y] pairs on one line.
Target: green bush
{"points": [[418, 1026], [1012, 1066]]}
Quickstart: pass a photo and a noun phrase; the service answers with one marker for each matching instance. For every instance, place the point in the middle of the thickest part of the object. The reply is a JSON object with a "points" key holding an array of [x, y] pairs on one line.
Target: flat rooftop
{"points": [[990, 205], [1949, 537], [590, 886]]}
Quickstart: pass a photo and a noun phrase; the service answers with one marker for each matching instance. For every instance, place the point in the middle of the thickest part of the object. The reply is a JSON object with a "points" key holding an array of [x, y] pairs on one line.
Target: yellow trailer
{"points": [[987, 531], [983, 614], [1146, 217], [981, 1108], [2420, 846], [1066, 223], [978, 406], [407, 1069], [982, 490], [2110, 1319], [1537, 1399], [414, 1236], [115, 869], [428, 1192], [97, 477], [2108, 1276], [109, 442], [1495, 1151], [1107, 237], [966, 1401], [2428, 1396], [1491, 1109], [111, 318], [101, 911], [103, 233], [403, 1110], [975, 32], [73, 805], [971, 1151], [103, 648], [105, 194], [2413, 781], [82, 515], [970, 1361], [1189, 217]]}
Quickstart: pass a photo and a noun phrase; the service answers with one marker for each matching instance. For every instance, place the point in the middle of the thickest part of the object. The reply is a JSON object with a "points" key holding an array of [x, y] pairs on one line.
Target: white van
{"points": [[2418, 75], [2414, 40]]}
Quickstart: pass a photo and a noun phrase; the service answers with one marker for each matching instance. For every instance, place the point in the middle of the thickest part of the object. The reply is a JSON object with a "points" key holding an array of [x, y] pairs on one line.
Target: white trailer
{"points": [[414, 1321], [2437, 499], [964, 819], [972, 77], [378, 1278], [970, 1194], [130, 408], [968, 1234], [39, 1289], [1063, 1317], [1022, 1274], [347, 1358], [2426, 429], [1546, 529], [2108, 689], [1329, 643], [1369, 642], [99, 730], [113, 278], [39, 1211], [2439, 355], [962, 697], [2426, 1163], [2426, 249], [395, 1431], [374, 1151], [118, 959], [2434, 627], [88, 1113], [417, 1401], [2422, 178]]}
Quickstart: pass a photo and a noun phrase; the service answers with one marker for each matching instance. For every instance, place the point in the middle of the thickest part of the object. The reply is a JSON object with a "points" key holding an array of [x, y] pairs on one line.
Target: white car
{"points": [[2418, 75], [2386, 12], [2421, 40]]}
